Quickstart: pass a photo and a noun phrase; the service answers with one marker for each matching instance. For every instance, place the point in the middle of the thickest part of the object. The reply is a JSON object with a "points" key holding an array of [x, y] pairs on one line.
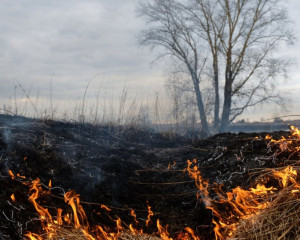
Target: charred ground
{"points": [[122, 167]]}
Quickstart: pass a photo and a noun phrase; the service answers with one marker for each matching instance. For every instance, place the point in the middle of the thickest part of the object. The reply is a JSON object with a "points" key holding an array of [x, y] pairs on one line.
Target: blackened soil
{"points": [[123, 168]]}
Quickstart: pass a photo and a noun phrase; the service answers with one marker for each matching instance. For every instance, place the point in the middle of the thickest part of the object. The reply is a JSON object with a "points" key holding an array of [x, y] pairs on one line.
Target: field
{"points": [[137, 184]]}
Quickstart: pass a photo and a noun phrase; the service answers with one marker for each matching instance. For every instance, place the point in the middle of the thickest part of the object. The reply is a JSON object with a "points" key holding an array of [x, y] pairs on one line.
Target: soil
{"points": [[122, 167]]}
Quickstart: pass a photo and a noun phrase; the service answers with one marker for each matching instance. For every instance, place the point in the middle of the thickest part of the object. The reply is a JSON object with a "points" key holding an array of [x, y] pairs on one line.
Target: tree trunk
{"points": [[217, 96], [227, 95], [226, 108], [201, 110], [200, 104]]}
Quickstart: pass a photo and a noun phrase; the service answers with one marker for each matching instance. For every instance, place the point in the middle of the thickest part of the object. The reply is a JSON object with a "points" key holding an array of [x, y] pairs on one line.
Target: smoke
{"points": [[7, 136]]}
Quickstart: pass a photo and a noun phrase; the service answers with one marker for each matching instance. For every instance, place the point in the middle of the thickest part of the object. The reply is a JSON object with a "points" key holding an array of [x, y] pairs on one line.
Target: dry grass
{"points": [[280, 221], [130, 236], [71, 233]]}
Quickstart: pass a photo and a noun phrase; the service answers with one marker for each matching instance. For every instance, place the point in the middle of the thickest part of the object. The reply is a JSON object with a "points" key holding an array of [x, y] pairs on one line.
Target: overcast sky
{"points": [[74, 42]]}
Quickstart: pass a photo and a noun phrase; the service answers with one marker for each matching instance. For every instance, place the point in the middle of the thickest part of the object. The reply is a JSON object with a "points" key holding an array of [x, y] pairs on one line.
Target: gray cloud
{"points": [[77, 41]]}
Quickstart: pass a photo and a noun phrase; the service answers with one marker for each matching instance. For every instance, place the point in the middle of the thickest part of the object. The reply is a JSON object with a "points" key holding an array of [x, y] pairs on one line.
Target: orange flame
{"points": [[59, 221], [73, 200], [13, 197], [239, 203], [173, 165], [150, 214], [132, 213], [105, 207], [119, 225], [20, 176], [87, 234], [192, 233], [133, 230], [50, 184], [268, 137], [103, 234], [33, 236], [201, 183], [163, 232], [67, 218], [11, 174], [36, 189], [295, 131], [286, 175], [262, 189]]}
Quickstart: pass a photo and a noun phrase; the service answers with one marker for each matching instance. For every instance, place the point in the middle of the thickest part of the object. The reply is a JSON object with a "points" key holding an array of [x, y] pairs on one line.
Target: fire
{"points": [[241, 203], [295, 131], [20, 176], [229, 209], [268, 137], [67, 219], [133, 230], [150, 214], [290, 145], [163, 232], [59, 220], [79, 215], [105, 207], [171, 166], [201, 183], [262, 189], [286, 175], [11, 174], [36, 190], [132, 213], [53, 225], [192, 233], [13, 177], [13, 198], [33, 236]]}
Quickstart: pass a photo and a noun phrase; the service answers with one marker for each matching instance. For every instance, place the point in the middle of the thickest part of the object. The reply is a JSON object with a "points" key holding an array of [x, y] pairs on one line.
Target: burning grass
{"points": [[271, 210], [75, 234], [75, 225], [279, 221], [247, 188], [264, 212], [70, 233]]}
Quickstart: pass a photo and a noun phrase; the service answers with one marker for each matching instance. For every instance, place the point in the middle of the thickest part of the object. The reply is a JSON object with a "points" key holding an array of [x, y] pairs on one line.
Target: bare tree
{"points": [[171, 31], [241, 37], [254, 29], [209, 23]]}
